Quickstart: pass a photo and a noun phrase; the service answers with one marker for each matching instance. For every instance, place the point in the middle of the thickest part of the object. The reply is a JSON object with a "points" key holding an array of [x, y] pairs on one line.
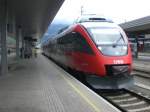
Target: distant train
{"points": [[96, 47]]}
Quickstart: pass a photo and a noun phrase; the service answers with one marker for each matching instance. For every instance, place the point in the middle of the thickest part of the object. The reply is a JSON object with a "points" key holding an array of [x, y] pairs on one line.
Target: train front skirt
{"points": [[110, 82]]}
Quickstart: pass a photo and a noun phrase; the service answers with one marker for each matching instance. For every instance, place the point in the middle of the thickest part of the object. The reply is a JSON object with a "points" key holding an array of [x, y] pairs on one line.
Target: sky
{"points": [[118, 10]]}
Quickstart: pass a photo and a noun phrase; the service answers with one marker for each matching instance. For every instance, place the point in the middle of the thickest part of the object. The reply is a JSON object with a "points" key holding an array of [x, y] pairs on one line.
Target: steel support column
{"points": [[17, 42], [3, 27], [137, 48], [23, 46]]}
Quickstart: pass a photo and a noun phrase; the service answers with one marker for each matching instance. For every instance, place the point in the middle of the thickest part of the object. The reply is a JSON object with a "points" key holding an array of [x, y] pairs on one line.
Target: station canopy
{"points": [[138, 26], [33, 16]]}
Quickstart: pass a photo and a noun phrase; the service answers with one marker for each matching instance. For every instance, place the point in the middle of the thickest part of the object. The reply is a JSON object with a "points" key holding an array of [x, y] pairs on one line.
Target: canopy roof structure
{"points": [[138, 26], [33, 16]]}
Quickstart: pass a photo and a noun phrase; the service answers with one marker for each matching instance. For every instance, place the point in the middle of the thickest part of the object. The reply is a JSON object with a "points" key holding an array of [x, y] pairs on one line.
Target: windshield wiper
{"points": [[116, 43]]}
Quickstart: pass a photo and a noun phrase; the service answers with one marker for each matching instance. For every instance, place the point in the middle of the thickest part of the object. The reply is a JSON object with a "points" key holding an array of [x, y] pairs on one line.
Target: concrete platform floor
{"points": [[38, 85]]}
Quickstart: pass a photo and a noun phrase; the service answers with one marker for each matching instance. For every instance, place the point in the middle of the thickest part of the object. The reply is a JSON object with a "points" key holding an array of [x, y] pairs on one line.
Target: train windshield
{"points": [[107, 36], [109, 41]]}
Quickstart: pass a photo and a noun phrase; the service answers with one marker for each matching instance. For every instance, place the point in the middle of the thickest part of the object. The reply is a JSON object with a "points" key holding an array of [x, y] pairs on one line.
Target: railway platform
{"points": [[39, 85], [142, 64]]}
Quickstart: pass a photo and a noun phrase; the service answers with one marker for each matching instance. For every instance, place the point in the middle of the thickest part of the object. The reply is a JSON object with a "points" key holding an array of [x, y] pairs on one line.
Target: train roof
{"points": [[92, 18], [99, 24]]}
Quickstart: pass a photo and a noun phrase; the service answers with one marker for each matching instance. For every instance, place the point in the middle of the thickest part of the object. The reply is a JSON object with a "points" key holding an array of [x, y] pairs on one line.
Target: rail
{"points": [[126, 100]]}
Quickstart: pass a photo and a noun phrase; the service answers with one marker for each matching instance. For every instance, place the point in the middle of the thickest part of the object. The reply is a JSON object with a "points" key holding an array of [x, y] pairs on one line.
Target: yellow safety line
{"points": [[82, 95]]}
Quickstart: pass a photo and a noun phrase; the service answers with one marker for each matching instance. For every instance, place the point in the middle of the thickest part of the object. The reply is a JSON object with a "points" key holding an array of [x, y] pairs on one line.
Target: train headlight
{"points": [[100, 48]]}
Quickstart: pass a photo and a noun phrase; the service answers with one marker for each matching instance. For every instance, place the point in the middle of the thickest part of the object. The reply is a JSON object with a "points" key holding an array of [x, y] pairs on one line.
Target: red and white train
{"points": [[96, 47]]}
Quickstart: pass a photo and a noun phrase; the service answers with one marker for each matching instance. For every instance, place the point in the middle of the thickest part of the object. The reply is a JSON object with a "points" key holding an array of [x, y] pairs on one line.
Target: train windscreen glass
{"points": [[109, 41]]}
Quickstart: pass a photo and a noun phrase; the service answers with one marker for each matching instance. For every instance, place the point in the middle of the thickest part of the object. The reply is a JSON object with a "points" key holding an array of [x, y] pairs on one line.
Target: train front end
{"points": [[113, 55]]}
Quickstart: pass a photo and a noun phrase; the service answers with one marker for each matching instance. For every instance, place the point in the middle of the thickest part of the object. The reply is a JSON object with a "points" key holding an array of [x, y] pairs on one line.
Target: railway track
{"points": [[141, 73], [141, 79], [126, 100]]}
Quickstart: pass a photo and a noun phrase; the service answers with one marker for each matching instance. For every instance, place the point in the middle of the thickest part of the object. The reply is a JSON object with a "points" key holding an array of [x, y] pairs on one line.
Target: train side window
{"points": [[59, 40], [62, 40], [69, 38], [80, 43]]}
